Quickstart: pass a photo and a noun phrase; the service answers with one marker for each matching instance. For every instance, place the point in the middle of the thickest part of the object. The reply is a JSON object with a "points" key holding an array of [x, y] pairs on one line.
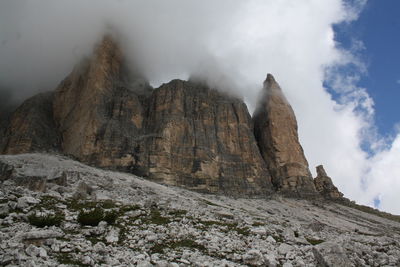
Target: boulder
{"points": [[329, 254], [275, 129]]}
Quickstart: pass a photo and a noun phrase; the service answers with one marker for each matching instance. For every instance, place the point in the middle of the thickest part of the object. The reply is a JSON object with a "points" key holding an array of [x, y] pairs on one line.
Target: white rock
{"points": [[283, 249], [24, 202], [270, 260], [184, 261], [271, 239], [32, 250], [55, 247], [151, 238], [259, 230], [331, 254], [41, 234], [42, 252], [99, 247], [88, 260], [112, 235], [253, 257]]}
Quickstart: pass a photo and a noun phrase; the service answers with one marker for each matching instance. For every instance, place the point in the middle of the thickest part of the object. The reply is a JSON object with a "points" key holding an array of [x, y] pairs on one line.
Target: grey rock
{"points": [[24, 202], [32, 250], [34, 183], [83, 191], [4, 209], [331, 254], [253, 257], [112, 235], [41, 234], [275, 129], [284, 249], [270, 260]]}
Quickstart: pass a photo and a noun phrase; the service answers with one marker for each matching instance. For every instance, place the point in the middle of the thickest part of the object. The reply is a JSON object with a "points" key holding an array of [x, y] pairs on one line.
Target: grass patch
{"points": [[111, 216], [155, 217], [48, 203], [178, 213], [278, 238], [108, 204], [92, 217], [314, 241], [122, 234], [127, 208], [46, 220], [66, 258], [77, 205], [255, 224], [210, 203]]}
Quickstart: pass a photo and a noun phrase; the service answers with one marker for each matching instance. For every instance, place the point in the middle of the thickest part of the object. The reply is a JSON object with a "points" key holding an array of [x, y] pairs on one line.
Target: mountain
{"points": [[231, 189], [183, 133]]}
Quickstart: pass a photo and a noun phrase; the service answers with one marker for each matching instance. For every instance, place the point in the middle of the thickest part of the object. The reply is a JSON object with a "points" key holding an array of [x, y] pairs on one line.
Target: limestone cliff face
{"points": [[31, 127], [202, 139], [182, 133], [324, 185], [97, 113], [275, 129]]}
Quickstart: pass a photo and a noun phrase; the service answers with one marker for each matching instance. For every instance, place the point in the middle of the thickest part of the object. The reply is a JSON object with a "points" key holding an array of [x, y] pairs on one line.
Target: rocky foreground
{"points": [[58, 212]]}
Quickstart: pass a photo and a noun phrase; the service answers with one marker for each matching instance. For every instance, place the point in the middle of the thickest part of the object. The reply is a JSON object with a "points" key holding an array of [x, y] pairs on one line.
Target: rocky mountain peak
{"points": [[270, 82], [275, 129]]}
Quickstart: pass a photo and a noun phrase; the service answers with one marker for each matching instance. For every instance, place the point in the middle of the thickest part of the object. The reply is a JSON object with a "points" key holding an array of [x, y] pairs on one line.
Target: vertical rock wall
{"points": [[183, 133], [203, 139]]}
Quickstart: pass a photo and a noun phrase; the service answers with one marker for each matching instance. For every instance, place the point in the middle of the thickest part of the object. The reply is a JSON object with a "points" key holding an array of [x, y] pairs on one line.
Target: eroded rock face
{"points": [[275, 129], [31, 127], [98, 113], [324, 185], [202, 139], [183, 133]]}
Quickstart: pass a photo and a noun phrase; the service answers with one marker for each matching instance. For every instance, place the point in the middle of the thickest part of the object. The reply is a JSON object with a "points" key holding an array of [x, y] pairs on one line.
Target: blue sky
{"points": [[378, 27]]}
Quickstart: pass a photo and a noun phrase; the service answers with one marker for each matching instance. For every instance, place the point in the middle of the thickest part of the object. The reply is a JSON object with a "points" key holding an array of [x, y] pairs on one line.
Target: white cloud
{"points": [[233, 44]]}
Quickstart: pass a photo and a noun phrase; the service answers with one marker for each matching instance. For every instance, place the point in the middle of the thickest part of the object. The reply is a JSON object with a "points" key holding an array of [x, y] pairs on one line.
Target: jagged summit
{"points": [[182, 133], [269, 81], [275, 129]]}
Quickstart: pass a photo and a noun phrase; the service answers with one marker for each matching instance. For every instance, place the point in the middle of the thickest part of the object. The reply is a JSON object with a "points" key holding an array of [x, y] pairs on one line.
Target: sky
{"points": [[336, 61]]}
